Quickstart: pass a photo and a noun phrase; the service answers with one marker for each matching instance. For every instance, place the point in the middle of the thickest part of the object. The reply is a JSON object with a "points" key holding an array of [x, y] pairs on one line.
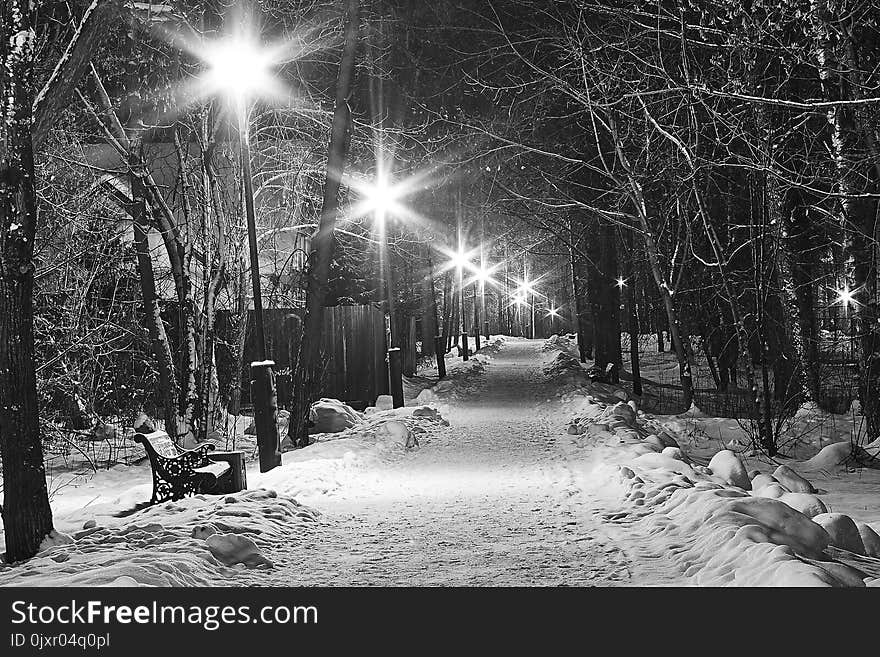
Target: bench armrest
{"points": [[186, 461], [196, 457]]}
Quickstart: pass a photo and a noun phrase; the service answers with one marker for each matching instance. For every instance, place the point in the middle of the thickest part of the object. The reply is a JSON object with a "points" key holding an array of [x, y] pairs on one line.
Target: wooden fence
{"points": [[353, 341]]}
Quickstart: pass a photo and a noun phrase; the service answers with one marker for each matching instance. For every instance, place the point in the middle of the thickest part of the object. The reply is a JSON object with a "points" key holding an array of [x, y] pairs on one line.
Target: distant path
{"points": [[490, 501]]}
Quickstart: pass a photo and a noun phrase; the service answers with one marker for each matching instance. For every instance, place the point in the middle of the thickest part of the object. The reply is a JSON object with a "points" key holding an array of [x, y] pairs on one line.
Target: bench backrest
{"points": [[161, 443]]}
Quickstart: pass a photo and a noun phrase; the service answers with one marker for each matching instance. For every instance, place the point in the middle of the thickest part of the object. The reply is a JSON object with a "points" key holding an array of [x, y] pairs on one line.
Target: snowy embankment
{"points": [[462, 376], [718, 522], [105, 538]]}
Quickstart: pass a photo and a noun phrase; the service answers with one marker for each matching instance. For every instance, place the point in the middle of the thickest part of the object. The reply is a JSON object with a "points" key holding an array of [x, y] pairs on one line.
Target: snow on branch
{"points": [[72, 64]]}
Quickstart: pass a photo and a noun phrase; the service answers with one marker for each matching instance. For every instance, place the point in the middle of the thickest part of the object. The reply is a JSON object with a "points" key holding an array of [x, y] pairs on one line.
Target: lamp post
{"points": [[459, 260], [526, 292], [387, 275], [462, 313], [250, 215], [382, 198], [241, 70]]}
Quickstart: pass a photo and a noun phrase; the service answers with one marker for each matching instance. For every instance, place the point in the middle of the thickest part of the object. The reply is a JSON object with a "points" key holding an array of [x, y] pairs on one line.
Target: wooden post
{"points": [[486, 331], [440, 351], [464, 345], [395, 371], [265, 403]]}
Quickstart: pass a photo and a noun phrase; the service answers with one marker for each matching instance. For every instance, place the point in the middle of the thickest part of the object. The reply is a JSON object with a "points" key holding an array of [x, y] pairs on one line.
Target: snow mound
{"points": [[759, 481], [870, 539], [384, 402], [395, 435], [773, 491], [283, 422], [810, 505], [730, 468], [704, 519], [564, 365], [559, 343], [843, 531], [841, 455], [494, 346], [234, 549], [170, 544], [332, 415], [792, 480]]}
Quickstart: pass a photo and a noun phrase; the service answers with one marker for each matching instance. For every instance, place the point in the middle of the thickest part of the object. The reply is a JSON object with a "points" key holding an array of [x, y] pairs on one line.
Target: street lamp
{"points": [[241, 70], [526, 290], [382, 199], [518, 301], [553, 313], [483, 276], [460, 260], [846, 297]]}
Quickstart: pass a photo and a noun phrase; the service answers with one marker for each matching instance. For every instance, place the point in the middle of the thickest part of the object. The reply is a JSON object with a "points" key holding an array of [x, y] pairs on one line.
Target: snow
{"points": [[792, 480], [515, 470], [332, 415], [234, 549], [730, 468], [704, 520]]}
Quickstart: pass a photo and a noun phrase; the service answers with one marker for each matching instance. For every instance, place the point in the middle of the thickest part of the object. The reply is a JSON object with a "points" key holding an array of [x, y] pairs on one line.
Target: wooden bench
{"points": [[178, 472]]}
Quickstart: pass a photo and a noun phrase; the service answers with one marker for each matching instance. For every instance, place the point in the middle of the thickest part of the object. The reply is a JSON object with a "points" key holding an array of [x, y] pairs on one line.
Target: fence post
{"points": [[440, 350], [477, 337], [395, 371], [486, 331], [464, 345], [265, 401]]}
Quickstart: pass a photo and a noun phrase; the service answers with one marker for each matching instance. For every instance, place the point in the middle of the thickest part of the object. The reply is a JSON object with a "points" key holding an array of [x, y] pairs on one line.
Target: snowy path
{"points": [[491, 501]]}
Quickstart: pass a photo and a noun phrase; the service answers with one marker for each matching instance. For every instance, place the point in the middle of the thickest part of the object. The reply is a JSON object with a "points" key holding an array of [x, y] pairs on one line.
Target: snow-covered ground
{"points": [[693, 496], [524, 474]]}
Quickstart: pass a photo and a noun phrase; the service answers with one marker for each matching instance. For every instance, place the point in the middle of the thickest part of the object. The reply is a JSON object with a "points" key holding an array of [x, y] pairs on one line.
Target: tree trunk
{"points": [[861, 175], [577, 304], [27, 517], [159, 343], [58, 89], [679, 341], [798, 267], [323, 240], [241, 333], [605, 299], [447, 308], [429, 307]]}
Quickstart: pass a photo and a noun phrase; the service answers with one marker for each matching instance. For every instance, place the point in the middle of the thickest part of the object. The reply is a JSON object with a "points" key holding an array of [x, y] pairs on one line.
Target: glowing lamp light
{"points": [[621, 282], [381, 198], [553, 312], [460, 259], [239, 67], [483, 275], [846, 296]]}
